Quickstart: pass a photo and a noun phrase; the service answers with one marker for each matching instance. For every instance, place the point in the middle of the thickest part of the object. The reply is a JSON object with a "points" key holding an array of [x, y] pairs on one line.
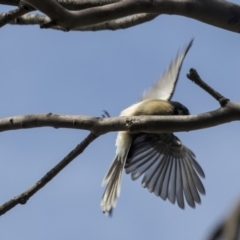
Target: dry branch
{"points": [[122, 23], [13, 15], [219, 13], [229, 113], [69, 4], [193, 75]]}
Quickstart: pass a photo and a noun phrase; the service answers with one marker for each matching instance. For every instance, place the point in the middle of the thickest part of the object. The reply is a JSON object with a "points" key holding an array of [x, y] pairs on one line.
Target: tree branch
{"points": [[10, 2], [193, 75], [16, 16], [218, 13], [69, 4], [122, 23], [230, 112], [13, 15], [110, 13], [23, 198]]}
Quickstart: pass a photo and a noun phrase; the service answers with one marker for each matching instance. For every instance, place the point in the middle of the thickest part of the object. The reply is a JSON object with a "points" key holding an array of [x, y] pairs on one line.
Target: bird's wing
{"points": [[170, 168], [164, 87]]}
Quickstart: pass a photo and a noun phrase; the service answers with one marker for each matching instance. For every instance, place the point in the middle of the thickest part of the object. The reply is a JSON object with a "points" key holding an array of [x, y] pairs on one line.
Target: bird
{"points": [[170, 169]]}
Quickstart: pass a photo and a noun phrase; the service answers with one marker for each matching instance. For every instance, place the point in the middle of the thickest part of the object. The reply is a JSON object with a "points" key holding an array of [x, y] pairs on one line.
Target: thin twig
{"points": [[194, 76], [23, 198]]}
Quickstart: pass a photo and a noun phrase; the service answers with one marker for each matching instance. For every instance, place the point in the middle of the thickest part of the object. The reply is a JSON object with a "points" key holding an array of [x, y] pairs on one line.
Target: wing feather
{"points": [[172, 182], [179, 186], [165, 86], [170, 169]]}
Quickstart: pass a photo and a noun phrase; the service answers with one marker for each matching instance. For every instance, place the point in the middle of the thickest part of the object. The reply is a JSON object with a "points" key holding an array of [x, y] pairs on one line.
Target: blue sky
{"points": [[84, 73]]}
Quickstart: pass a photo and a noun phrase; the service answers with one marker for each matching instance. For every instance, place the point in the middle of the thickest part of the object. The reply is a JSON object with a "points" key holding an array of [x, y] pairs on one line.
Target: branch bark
{"points": [[13, 15], [230, 112], [37, 19], [69, 4], [215, 12], [219, 13]]}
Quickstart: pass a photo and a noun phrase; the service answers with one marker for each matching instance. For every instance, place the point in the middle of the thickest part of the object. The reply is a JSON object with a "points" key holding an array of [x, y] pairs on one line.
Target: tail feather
{"points": [[110, 172], [113, 181], [113, 178]]}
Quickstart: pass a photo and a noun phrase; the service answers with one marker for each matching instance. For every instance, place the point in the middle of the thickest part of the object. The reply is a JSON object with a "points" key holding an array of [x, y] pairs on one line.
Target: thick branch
{"points": [[17, 17], [122, 23], [10, 2], [219, 13], [13, 15], [83, 4], [23, 198], [231, 112], [228, 112], [69, 4]]}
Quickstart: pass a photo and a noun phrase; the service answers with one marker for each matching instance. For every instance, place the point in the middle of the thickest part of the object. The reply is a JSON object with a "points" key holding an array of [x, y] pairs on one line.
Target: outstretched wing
{"points": [[170, 168], [165, 86]]}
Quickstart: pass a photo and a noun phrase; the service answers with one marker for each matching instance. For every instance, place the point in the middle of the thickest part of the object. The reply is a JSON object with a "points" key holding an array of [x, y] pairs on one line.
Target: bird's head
{"points": [[180, 109]]}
